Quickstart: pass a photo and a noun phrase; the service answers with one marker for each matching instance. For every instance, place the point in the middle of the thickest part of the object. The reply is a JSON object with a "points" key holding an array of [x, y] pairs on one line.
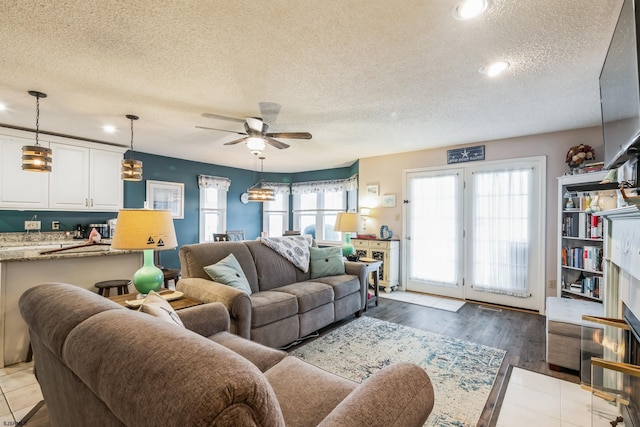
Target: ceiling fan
{"points": [[256, 135]]}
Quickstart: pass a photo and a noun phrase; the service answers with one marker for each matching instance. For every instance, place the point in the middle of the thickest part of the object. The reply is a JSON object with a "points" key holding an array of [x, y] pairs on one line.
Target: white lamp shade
{"points": [[140, 229], [347, 221]]}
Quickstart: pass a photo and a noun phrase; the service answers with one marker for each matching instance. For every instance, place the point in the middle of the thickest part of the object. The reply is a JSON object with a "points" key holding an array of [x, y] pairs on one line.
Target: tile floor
{"points": [[20, 392], [447, 304], [534, 400]]}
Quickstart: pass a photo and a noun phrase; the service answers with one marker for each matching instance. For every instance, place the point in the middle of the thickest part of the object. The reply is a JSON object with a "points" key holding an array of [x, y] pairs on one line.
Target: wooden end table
{"points": [[177, 304], [372, 267]]}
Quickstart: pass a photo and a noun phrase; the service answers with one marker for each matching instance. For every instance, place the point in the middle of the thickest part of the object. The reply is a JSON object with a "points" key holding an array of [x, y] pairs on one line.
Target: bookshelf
{"points": [[580, 234]]}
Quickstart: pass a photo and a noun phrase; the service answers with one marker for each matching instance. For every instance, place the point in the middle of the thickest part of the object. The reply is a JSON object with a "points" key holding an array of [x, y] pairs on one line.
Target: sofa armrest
{"points": [[369, 404], [358, 269], [238, 303], [206, 319]]}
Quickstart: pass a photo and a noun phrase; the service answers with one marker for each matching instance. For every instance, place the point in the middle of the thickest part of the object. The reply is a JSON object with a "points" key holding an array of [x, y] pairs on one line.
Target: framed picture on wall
{"points": [[389, 201], [166, 196], [372, 190]]}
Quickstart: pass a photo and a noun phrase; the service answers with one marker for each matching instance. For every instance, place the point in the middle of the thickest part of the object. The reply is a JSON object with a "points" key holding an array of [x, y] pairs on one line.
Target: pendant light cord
{"points": [[132, 138], [37, 119]]}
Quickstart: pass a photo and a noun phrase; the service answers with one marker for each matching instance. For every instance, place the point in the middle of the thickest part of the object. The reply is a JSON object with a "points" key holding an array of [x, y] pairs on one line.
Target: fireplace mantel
{"points": [[622, 260]]}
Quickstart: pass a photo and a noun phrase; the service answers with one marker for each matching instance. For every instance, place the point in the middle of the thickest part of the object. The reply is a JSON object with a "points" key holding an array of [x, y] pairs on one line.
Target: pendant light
{"points": [[131, 169], [257, 193], [36, 158]]}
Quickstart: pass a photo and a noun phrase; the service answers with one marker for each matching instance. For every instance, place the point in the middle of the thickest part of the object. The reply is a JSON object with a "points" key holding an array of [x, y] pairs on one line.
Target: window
{"points": [[213, 206], [316, 204], [275, 215]]}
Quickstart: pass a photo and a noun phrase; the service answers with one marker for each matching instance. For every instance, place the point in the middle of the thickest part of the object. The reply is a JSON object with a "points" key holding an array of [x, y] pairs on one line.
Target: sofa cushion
{"points": [[269, 306], [260, 355], [309, 294], [342, 285], [272, 269], [159, 307], [228, 272], [326, 262]]}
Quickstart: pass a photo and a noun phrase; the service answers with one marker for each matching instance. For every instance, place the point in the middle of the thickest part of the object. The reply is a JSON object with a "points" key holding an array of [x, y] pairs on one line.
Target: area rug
{"points": [[462, 373], [425, 300]]}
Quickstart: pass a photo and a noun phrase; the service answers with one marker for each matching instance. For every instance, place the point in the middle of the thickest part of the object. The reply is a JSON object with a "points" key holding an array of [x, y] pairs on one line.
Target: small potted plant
{"points": [[578, 155]]}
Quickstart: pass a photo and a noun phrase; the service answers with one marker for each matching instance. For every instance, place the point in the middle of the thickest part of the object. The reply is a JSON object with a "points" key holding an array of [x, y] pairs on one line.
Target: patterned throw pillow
{"points": [[157, 306], [229, 272], [326, 262]]}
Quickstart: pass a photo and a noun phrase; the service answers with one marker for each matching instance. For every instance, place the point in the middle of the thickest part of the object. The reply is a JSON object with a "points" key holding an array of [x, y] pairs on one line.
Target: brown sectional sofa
{"points": [[285, 304], [100, 364]]}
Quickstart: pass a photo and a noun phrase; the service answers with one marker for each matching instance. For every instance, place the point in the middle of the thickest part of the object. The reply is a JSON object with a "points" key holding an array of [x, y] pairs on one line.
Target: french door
{"points": [[475, 232]]}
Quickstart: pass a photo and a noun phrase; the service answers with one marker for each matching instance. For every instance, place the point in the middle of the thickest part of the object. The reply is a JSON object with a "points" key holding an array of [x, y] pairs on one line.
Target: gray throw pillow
{"points": [[228, 272], [326, 262]]}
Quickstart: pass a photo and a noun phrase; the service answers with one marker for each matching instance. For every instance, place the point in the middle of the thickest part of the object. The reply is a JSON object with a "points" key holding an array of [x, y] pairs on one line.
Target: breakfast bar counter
{"points": [[22, 267]]}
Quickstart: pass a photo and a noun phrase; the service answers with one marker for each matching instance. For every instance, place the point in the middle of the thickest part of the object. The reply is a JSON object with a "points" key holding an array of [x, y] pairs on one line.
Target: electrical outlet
{"points": [[55, 225], [552, 284], [32, 225]]}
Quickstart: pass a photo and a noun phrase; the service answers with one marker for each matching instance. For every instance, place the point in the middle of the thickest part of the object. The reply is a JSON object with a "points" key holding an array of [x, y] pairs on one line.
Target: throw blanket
{"points": [[293, 248]]}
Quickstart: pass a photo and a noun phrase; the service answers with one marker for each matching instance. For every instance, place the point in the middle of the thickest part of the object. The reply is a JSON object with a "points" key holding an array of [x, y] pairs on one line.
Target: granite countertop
{"points": [[24, 247]]}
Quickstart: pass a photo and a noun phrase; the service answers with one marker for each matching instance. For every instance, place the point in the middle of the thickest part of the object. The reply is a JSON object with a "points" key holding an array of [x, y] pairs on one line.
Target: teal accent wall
{"points": [[160, 168]]}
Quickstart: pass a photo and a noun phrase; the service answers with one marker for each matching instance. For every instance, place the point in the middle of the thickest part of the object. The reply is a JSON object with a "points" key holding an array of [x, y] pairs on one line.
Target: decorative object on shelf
{"points": [[385, 233], [347, 222], [165, 195], [578, 155], [257, 192], [36, 158], [131, 169], [569, 204], [612, 176], [146, 230]]}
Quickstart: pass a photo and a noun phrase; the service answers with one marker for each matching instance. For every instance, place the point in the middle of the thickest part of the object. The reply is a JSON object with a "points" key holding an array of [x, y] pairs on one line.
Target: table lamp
{"points": [[347, 222], [146, 230]]}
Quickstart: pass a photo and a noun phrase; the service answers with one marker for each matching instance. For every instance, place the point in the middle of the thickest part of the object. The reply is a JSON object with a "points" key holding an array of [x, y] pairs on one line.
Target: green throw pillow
{"points": [[326, 261], [228, 272]]}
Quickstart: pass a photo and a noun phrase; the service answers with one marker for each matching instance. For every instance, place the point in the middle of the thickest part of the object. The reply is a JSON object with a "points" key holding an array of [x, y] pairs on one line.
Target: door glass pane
{"points": [[501, 202], [434, 229]]}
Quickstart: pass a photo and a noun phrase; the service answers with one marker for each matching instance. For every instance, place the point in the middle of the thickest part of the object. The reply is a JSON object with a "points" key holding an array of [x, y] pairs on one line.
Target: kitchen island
{"points": [[22, 267]]}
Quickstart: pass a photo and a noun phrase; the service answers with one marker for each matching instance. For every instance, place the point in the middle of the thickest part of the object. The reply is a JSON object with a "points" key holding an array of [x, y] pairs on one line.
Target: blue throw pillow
{"points": [[326, 262], [228, 272]]}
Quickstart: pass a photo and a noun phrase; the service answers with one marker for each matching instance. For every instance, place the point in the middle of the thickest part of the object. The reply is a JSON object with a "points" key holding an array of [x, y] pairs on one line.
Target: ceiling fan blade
{"points": [[219, 117], [269, 111], [221, 130], [276, 143], [235, 141], [290, 135], [255, 123]]}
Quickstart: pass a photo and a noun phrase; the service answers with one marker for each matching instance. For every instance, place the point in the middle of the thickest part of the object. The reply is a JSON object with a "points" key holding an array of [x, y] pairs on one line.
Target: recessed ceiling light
{"points": [[469, 9], [109, 128], [494, 69]]}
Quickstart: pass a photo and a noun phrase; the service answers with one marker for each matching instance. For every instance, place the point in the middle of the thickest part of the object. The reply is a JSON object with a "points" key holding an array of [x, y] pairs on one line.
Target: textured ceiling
{"points": [[366, 78]]}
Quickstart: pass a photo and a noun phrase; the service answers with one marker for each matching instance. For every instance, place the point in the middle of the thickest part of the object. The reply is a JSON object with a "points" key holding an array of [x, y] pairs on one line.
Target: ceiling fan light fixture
{"points": [[36, 158], [256, 144], [469, 9], [131, 169], [494, 69]]}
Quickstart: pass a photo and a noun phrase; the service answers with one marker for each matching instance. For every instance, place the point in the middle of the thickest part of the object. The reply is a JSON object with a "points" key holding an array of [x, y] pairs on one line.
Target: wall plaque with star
{"points": [[467, 154]]}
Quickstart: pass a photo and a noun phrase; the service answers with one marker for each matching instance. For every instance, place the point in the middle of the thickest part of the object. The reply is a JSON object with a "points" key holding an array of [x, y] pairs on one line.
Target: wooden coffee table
{"points": [[177, 304]]}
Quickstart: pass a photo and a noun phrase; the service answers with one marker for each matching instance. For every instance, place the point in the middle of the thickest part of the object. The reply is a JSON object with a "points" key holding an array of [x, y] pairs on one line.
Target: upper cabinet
{"points": [[83, 177], [20, 189]]}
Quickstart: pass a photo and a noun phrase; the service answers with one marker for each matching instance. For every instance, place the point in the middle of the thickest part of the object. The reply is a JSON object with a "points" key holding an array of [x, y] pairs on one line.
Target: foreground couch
{"points": [[100, 364], [285, 303]]}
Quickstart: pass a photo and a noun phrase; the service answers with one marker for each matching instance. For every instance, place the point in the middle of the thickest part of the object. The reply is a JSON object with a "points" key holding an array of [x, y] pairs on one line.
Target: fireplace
{"points": [[633, 357]]}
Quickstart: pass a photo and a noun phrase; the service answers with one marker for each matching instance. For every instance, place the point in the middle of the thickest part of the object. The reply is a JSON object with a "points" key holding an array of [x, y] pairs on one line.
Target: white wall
{"points": [[387, 172]]}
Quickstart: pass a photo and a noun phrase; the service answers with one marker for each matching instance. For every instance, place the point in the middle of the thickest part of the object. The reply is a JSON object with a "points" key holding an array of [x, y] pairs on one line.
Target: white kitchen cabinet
{"points": [[20, 189], [387, 251], [85, 179]]}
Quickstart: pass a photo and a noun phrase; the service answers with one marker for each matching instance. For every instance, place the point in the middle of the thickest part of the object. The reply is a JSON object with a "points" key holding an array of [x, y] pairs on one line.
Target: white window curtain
{"points": [[213, 206], [207, 181], [501, 234], [348, 184], [278, 188]]}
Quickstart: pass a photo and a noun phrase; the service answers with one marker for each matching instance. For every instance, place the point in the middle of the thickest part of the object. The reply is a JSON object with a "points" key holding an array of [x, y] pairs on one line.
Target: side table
{"points": [[372, 267], [177, 304]]}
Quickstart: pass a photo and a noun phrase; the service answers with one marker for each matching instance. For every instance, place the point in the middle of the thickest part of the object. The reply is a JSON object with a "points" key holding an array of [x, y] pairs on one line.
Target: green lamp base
{"points": [[347, 247], [149, 277]]}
